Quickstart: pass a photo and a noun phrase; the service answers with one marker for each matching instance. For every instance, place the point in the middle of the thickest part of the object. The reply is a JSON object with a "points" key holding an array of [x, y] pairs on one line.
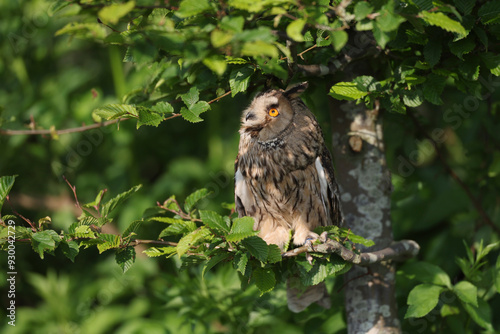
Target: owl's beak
{"points": [[250, 115]]}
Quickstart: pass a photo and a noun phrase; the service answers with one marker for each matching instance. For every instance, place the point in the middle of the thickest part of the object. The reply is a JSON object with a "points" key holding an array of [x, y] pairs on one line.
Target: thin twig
{"points": [[60, 132], [220, 97], [33, 228], [398, 251], [137, 242]]}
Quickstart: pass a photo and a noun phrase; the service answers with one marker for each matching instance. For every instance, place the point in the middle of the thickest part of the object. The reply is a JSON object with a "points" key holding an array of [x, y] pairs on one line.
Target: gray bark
{"points": [[365, 184]]}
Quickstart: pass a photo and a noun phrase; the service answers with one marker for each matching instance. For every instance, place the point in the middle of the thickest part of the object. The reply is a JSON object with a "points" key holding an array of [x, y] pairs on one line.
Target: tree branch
{"points": [[60, 132], [137, 242], [398, 251]]}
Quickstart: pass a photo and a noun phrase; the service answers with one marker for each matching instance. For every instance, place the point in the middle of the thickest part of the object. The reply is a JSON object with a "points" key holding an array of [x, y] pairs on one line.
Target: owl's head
{"points": [[271, 113]]}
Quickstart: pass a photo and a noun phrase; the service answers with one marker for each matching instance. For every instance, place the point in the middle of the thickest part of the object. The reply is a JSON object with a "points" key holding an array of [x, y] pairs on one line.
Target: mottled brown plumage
{"points": [[284, 175]]}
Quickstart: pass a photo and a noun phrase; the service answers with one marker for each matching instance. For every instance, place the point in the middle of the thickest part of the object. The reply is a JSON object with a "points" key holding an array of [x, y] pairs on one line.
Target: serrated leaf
{"points": [[490, 12], [219, 38], [114, 12], [257, 247], [264, 279], [413, 98], [467, 292], [191, 97], [433, 88], [178, 228], [480, 314], [463, 46], [160, 251], [465, 6], [110, 205], [70, 249], [367, 83], [422, 299], [294, 30], [274, 254], [132, 228], [214, 221], [147, 117], [213, 262], [239, 79], [346, 91], [109, 241], [189, 8], [167, 220], [163, 108], [190, 240], [492, 62], [432, 51], [84, 231], [194, 198], [242, 228], [444, 22], [45, 241], [357, 239], [114, 111], [427, 273], [6, 183], [240, 263], [193, 113], [125, 258], [94, 31]]}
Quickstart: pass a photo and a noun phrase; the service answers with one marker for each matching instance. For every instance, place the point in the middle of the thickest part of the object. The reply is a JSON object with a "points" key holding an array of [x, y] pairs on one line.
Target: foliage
{"points": [[432, 64]]}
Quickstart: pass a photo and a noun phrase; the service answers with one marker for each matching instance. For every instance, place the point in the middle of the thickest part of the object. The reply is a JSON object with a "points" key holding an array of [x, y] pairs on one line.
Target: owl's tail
{"points": [[299, 296]]}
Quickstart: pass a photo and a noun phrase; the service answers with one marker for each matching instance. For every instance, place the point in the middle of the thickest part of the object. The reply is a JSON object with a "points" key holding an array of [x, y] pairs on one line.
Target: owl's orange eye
{"points": [[273, 112]]}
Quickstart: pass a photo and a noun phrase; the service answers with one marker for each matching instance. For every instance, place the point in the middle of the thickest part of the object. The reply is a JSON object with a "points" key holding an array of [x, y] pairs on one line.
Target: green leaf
{"points": [[240, 262], [109, 241], [45, 241], [93, 31], [463, 46], [239, 79], [70, 249], [191, 97], [257, 247], [214, 221], [467, 292], [444, 22], [480, 314], [242, 228], [147, 117], [362, 9], [160, 251], [490, 12], [346, 91], [194, 198], [114, 111], [427, 273], [190, 240], [217, 64], [6, 183], [125, 258], [110, 205], [465, 6], [413, 98], [294, 30], [167, 220], [339, 39], [113, 13], [163, 108], [274, 255], [492, 62], [433, 88], [213, 262], [132, 228], [193, 113], [178, 228], [264, 279], [259, 49], [432, 51], [189, 8], [387, 20], [422, 299], [84, 231]]}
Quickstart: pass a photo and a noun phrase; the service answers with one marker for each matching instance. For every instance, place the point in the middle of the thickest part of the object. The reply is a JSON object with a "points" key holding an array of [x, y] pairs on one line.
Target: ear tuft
{"points": [[296, 90]]}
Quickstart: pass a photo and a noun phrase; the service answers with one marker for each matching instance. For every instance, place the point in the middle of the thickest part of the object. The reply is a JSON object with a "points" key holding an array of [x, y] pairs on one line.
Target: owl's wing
{"points": [[243, 198], [329, 187]]}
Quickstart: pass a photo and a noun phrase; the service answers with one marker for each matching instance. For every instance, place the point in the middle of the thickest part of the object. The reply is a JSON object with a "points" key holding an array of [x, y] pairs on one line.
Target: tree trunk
{"points": [[365, 183]]}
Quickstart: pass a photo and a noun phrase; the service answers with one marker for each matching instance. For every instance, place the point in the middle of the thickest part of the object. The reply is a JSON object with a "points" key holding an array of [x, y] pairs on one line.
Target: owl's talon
{"points": [[309, 258]]}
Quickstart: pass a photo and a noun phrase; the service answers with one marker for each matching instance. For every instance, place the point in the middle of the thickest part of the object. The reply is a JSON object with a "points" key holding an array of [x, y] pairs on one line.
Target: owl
{"points": [[284, 177]]}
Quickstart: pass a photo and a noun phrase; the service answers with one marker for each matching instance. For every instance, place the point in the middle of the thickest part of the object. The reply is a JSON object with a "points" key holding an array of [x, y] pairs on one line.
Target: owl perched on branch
{"points": [[284, 177]]}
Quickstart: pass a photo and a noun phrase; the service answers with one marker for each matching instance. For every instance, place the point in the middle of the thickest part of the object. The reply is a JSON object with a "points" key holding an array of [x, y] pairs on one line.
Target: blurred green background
{"points": [[58, 81]]}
